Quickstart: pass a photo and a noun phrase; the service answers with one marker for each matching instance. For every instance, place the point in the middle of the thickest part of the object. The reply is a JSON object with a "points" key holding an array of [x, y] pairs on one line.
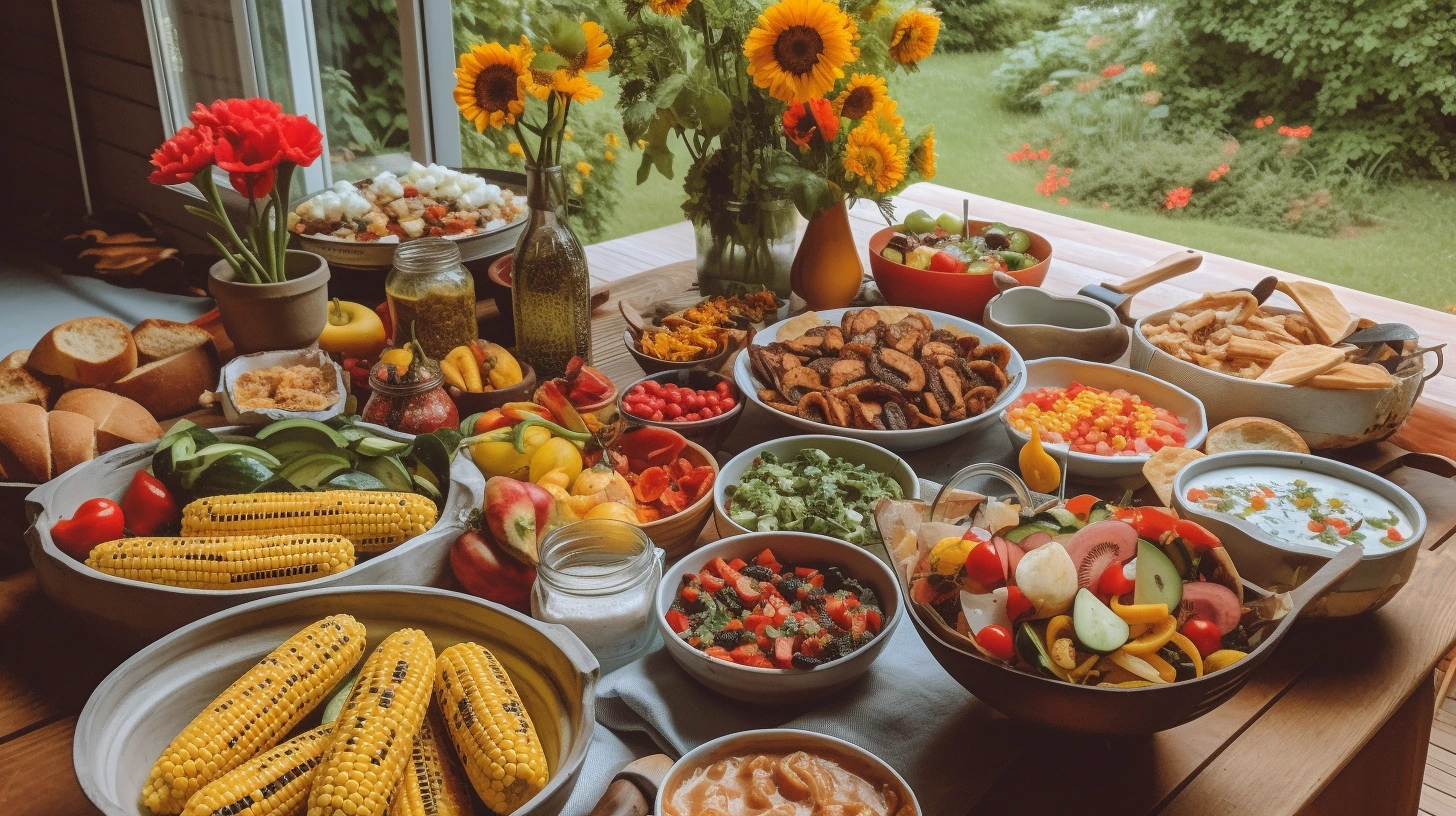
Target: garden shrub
{"points": [[990, 25], [1083, 43]]}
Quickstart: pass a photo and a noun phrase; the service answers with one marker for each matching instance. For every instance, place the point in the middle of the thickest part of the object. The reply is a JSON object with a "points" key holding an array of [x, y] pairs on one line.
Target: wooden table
{"points": [[1336, 722]]}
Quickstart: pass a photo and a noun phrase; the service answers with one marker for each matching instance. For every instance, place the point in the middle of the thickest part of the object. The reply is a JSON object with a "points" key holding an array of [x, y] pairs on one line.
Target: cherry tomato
{"points": [[1016, 604], [1204, 635], [946, 262], [996, 640], [1195, 535], [983, 565], [1114, 582]]}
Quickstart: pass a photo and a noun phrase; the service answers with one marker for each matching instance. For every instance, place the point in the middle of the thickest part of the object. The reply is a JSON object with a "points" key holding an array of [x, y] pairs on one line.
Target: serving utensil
{"points": [[1118, 296], [1263, 289], [1382, 333]]}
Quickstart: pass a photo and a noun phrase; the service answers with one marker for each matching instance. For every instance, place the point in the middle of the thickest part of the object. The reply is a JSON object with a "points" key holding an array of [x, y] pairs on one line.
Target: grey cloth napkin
{"points": [[906, 710]]}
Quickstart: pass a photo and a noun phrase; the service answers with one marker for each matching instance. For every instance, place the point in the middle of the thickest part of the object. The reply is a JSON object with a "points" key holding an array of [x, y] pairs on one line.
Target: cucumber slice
{"points": [[1017, 534], [233, 473], [1097, 627], [1158, 579], [206, 456], [301, 429], [1101, 511], [390, 470], [1181, 557], [1060, 517], [423, 487], [310, 471], [353, 480], [1031, 648], [378, 446]]}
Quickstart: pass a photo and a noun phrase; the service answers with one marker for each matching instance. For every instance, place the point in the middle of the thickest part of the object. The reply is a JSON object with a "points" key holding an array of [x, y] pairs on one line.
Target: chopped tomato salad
{"points": [[1090, 420]]}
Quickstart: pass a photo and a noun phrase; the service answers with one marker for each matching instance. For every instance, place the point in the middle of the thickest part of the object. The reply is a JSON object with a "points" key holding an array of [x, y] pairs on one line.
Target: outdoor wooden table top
{"points": [[1351, 696]]}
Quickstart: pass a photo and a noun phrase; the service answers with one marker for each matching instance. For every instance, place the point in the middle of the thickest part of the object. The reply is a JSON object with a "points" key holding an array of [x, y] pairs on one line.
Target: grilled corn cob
{"points": [[433, 785], [274, 783], [374, 520], [375, 732], [224, 562], [490, 727], [255, 712]]}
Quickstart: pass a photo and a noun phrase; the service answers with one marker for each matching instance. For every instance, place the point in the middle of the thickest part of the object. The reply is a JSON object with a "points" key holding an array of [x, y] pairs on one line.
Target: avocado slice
{"points": [[379, 446], [1097, 627], [310, 470], [286, 429]]}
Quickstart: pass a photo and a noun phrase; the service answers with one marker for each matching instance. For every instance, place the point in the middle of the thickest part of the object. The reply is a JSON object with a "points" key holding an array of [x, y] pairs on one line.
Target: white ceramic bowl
{"points": [[910, 439], [850, 450], [149, 699], [783, 741], [782, 685], [1327, 418], [1280, 565], [1060, 372]]}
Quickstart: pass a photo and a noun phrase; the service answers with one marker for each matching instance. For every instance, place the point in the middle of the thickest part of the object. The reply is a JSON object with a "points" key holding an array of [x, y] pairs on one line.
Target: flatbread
{"points": [[1301, 363], [796, 327], [1332, 322], [1163, 466], [1354, 376]]}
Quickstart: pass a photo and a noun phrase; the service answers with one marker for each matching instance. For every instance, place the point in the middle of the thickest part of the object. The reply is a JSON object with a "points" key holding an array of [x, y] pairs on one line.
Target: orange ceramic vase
{"points": [[827, 270]]}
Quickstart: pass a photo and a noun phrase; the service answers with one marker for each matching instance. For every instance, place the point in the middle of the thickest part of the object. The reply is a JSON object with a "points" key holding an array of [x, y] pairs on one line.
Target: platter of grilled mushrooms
{"points": [[901, 378]]}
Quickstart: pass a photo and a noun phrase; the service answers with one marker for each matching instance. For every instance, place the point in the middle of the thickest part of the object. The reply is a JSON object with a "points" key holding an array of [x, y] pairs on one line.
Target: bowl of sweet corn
{"points": [[1102, 421], [417, 679]]}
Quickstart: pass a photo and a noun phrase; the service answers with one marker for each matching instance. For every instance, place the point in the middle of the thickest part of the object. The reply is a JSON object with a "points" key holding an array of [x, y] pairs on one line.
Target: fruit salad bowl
{"points": [[958, 293]]}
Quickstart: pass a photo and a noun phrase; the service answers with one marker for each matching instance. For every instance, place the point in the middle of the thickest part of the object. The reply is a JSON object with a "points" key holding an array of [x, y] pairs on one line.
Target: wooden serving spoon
{"points": [[634, 790]]}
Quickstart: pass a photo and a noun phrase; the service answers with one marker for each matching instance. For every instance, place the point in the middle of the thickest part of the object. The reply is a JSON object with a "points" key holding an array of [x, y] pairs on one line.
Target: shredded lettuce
{"points": [[811, 493]]}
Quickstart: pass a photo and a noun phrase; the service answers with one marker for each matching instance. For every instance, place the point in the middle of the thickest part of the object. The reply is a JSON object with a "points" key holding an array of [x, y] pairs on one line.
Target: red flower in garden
{"points": [[1218, 172], [1301, 132], [1263, 122], [1177, 198], [183, 156], [1111, 71], [302, 140], [805, 119]]}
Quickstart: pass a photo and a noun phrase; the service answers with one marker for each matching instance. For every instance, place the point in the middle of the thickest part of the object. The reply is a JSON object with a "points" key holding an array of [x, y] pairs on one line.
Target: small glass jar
{"points": [[414, 404], [431, 296], [599, 578]]}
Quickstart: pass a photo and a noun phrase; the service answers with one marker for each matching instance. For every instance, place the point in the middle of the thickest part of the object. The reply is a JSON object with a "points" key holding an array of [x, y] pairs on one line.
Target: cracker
{"points": [[1329, 318], [1354, 376], [1163, 466], [1300, 363], [1246, 348]]}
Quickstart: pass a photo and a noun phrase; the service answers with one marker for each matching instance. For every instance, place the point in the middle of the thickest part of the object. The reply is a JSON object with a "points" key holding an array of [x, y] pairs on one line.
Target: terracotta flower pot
{"points": [[274, 316], [827, 270]]}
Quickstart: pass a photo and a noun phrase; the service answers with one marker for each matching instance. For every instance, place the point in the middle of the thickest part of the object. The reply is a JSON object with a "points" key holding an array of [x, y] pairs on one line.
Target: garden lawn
{"points": [[1410, 256]]}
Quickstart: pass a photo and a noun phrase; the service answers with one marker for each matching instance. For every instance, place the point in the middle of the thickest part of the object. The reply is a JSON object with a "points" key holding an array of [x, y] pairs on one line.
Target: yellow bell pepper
{"points": [[1057, 627], [1140, 613], [1038, 469], [400, 358], [556, 454], [464, 362], [1182, 642], [1222, 659], [1154, 639], [501, 366], [556, 479], [603, 484], [1164, 668], [613, 510], [948, 556], [353, 330], [499, 457]]}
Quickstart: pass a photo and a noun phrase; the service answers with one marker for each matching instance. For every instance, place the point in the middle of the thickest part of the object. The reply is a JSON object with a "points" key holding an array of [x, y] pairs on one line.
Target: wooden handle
{"points": [[633, 318], [634, 790], [1326, 577], [1179, 263]]}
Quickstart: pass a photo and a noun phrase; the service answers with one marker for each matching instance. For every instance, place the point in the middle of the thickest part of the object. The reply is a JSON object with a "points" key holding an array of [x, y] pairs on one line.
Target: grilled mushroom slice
{"points": [[980, 399], [917, 416], [894, 416], [988, 372], [769, 395], [952, 382], [844, 372], [923, 319], [838, 411], [870, 338], [813, 406], [786, 407], [968, 343], [808, 345], [995, 352], [897, 369], [833, 340], [941, 403], [867, 415], [943, 336], [765, 363], [938, 349], [857, 351], [867, 390], [802, 377], [863, 321], [823, 365]]}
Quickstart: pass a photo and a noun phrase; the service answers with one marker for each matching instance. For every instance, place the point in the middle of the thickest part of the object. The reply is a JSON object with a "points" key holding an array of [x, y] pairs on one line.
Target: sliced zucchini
{"points": [[206, 456], [379, 446], [1097, 627], [390, 471], [1101, 511], [301, 429], [353, 480], [1158, 579], [1064, 520], [312, 470], [1017, 534]]}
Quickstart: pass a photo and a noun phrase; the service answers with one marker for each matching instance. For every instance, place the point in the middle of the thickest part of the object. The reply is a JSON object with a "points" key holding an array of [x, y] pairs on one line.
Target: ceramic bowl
{"points": [[850, 450], [1281, 565], [1060, 372], [1328, 419], [474, 402], [146, 701], [785, 741], [709, 432], [1039, 324], [141, 612], [676, 534], [956, 293], [910, 439], [782, 685], [652, 365]]}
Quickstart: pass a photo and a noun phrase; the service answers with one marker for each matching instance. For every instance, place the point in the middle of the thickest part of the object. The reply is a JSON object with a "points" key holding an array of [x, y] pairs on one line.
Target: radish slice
{"points": [[1010, 556], [1215, 603], [985, 609], [1035, 540]]}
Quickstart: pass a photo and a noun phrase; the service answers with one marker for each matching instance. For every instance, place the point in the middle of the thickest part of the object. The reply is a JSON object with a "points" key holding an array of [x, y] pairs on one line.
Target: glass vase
{"points": [[746, 247], [550, 286]]}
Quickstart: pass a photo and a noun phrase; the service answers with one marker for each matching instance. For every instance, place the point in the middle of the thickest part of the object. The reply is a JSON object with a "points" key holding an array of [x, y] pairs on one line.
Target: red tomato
{"points": [[945, 262], [1114, 582], [1204, 635], [996, 640], [983, 565], [1016, 604], [1195, 535]]}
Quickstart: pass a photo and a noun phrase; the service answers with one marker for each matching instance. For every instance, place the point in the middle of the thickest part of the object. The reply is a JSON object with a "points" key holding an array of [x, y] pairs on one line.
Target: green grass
{"points": [[1411, 256]]}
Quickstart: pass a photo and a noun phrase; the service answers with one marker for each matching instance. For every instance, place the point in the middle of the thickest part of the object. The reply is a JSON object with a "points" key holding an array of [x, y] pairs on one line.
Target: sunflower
{"points": [[887, 121], [799, 48], [672, 8], [575, 87], [860, 96], [914, 36], [491, 82], [922, 158], [598, 50], [870, 156], [514, 148]]}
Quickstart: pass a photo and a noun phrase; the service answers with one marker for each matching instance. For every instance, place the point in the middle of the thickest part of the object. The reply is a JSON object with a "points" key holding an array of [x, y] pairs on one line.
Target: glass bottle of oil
{"points": [[550, 286]]}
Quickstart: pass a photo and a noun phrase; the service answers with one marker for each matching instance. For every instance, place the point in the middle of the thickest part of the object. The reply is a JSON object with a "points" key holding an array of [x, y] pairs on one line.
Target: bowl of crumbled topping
{"points": [[268, 386], [358, 224]]}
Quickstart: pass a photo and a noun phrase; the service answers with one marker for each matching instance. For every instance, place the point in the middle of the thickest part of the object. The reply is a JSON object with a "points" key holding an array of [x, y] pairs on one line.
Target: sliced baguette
{"points": [[170, 387], [1253, 433], [119, 421], [20, 385], [73, 440], [15, 359], [88, 350], [25, 444], [158, 339]]}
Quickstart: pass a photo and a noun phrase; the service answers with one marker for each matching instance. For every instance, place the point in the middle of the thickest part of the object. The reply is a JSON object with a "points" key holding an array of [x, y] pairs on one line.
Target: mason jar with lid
{"points": [[598, 578], [431, 296]]}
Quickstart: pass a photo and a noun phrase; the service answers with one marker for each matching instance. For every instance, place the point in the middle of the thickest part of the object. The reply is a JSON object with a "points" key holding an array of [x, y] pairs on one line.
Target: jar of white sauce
{"points": [[598, 578]]}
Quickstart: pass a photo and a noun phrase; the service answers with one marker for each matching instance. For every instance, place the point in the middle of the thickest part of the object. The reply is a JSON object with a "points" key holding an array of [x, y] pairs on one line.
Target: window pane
{"points": [[362, 85], [200, 48]]}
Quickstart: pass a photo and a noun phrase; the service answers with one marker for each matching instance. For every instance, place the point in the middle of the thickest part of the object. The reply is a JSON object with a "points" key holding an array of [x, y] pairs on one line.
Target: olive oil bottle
{"points": [[550, 286]]}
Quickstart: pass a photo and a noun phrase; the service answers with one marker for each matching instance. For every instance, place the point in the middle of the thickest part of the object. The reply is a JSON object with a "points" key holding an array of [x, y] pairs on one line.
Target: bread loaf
{"points": [[158, 339], [73, 440], [88, 350], [119, 421], [170, 387], [25, 444]]}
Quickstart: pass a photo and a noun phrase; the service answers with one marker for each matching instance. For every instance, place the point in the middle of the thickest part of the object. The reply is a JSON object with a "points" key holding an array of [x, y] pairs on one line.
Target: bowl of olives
{"points": [[948, 264]]}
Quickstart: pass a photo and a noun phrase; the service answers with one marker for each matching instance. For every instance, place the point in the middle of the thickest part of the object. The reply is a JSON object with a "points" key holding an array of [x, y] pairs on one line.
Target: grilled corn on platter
{"points": [[224, 562], [375, 521], [415, 735]]}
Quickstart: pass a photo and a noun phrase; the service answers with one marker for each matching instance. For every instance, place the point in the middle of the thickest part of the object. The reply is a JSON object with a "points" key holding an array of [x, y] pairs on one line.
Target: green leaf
{"points": [[636, 119], [668, 89], [662, 159], [565, 36], [1159, 112], [716, 112], [644, 170], [548, 61]]}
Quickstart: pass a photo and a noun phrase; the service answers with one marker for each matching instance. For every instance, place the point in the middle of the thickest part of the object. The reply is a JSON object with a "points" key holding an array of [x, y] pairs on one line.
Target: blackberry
{"points": [[833, 579], [729, 599], [728, 639], [679, 606], [864, 593], [757, 572], [802, 661], [840, 646], [789, 587], [819, 592]]}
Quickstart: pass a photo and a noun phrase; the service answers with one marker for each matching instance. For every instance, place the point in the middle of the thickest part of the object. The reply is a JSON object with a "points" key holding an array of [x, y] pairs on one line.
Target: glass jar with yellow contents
{"points": [[431, 296]]}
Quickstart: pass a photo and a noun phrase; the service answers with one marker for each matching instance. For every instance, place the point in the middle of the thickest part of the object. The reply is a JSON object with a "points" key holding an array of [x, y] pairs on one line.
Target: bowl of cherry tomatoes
{"points": [[702, 405]]}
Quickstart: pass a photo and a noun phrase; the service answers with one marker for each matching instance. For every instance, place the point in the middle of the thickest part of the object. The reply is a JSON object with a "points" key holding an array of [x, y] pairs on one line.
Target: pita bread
{"points": [[1301, 363], [796, 327], [1253, 433], [1163, 466], [1354, 375], [1331, 320]]}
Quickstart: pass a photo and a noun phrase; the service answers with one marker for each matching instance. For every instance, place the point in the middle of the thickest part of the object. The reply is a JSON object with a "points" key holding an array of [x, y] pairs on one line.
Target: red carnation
{"points": [[227, 113], [250, 150], [183, 156], [804, 119], [302, 141]]}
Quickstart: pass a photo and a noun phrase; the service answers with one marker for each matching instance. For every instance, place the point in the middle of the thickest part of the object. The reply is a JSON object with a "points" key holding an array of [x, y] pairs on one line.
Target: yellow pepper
{"points": [[500, 457], [563, 510], [948, 556], [1182, 642], [1154, 639], [613, 510], [353, 330], [400, 358], [603, 483], [1222, 659], [452, 374], [1038, 469], [469, 370], [1140, 613], [1056, 628], [555, 455], [504, 370], [557, 479]]}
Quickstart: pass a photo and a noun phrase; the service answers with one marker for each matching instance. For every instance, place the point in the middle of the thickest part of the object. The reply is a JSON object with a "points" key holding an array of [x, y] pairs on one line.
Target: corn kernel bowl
{"points": [[137, 612], [1060, 372], [149, 699]]}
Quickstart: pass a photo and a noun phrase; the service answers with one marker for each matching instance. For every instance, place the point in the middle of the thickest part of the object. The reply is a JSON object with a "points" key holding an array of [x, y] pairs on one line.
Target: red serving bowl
{"points": [[955, 293]]}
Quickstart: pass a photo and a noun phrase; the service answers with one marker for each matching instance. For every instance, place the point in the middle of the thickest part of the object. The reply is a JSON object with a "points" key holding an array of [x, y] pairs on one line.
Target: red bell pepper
{"points": [[148, 506], [1152, 522], [1196, 535], [94, 522], [677, 620]]}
